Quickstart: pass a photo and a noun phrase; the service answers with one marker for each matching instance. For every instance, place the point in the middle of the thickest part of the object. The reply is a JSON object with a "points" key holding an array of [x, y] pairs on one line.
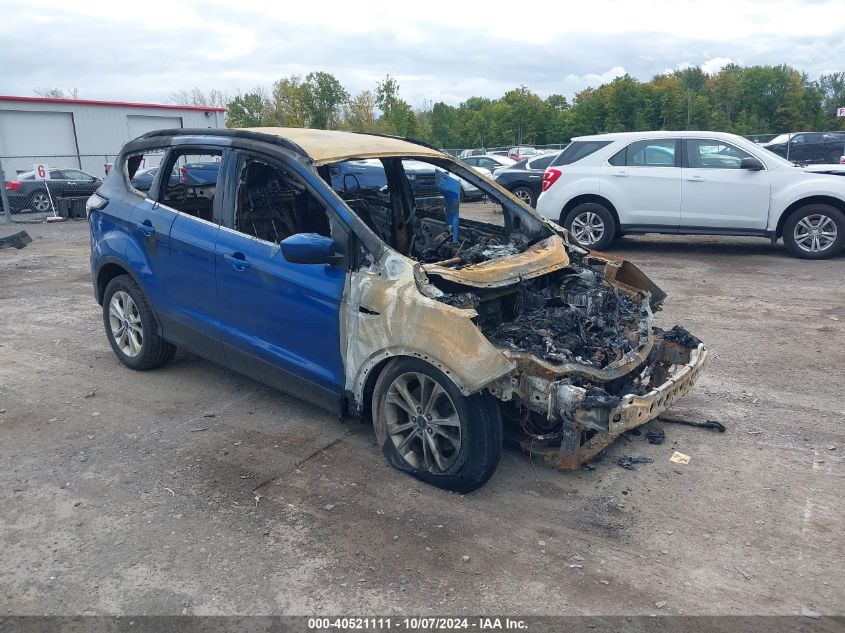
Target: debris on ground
{"points": [[328, 507], [706, 424], [744, 573], [679, 335], [679, 458], [17, 240], [660, 604], [655, 436], [630, 461]]}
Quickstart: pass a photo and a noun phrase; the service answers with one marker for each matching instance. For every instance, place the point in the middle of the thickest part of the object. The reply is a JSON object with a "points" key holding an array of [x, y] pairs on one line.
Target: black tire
{"points": [[40, 198], [526, 195], [813, 213], [609, 224], [154, 351], [474, 462]]}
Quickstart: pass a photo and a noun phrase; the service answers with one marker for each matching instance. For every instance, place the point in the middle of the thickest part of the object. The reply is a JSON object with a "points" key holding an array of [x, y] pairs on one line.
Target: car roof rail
{"points": [[231, 133]]}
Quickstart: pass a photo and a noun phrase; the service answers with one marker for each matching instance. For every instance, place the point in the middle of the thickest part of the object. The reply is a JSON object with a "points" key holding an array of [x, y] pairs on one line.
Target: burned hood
{"points": [[544, 257]]}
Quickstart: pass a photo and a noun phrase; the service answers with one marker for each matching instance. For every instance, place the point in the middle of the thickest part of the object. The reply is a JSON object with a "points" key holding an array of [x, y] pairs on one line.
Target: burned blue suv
{"points": [[437, 327]]}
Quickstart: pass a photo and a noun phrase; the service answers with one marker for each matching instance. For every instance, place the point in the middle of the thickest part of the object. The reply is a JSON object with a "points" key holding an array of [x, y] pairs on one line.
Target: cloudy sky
{"points": [[145, 51]]}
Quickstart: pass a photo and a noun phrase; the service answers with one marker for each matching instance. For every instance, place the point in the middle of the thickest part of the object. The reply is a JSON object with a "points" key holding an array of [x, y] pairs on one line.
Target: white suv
{"points": [[604, 186]]}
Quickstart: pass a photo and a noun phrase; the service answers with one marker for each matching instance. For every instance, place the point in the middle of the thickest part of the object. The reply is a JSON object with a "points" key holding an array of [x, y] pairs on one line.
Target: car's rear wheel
{"points": [[816, 231], [591, 225], [526, 195], [40, 202], [429, 429], [132, 327]]}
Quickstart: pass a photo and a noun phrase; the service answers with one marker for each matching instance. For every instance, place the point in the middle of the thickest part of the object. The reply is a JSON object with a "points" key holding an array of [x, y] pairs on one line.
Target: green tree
{"points": [[288, 103], [359, 113], [246, 110], [323, 98], [397, 115]]}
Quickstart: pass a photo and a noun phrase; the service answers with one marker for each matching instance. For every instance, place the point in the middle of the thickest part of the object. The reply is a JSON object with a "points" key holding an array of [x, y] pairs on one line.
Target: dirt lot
{"points": [[193, 490]]}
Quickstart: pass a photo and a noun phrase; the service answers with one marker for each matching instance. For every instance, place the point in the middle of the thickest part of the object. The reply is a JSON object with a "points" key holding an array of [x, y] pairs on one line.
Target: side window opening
{"points": [[713, 154], [650, 153], [419, 218], [140, 170], [191, 183], [273, 204]]}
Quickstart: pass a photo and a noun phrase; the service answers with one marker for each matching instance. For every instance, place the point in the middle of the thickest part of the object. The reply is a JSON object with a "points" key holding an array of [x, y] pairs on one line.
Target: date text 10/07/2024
{"points": [[417, 624]]}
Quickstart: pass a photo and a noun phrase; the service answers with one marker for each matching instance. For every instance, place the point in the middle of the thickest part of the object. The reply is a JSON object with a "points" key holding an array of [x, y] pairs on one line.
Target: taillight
{"points": [[183, 171], [13, 185], [842, 160], [550, 177]]}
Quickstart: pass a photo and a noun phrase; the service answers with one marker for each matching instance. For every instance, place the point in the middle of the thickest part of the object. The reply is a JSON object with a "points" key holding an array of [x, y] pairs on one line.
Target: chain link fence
{"points": [[27, 194]]}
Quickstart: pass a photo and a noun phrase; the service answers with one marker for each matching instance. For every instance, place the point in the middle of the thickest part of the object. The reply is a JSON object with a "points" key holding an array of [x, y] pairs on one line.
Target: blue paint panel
{"points": [[285, 314], [192, 311]]}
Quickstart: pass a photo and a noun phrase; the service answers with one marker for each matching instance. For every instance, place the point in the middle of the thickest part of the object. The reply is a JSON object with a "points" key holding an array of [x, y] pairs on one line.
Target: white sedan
{"points": [[607, 185]]}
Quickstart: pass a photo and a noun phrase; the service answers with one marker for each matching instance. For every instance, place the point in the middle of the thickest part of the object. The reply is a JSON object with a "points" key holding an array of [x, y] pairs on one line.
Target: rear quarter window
{"points": [[578, 150]]}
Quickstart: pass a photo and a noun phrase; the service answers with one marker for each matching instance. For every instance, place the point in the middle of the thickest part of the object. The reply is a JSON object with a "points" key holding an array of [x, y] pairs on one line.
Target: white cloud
{"points": [[713, 66], [446, 51]]}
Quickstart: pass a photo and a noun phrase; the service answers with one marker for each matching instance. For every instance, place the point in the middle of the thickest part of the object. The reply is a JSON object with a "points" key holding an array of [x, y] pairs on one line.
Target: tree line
{"points": [[739, 99]]}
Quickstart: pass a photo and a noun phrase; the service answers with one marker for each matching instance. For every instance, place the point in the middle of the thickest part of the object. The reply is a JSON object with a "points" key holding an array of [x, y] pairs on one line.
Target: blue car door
{"points": [[183, 222], [280, 321]]}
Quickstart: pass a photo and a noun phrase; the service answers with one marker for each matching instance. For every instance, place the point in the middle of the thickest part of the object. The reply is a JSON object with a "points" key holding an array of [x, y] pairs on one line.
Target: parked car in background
{"points": [[525, 178], [435, 327], [143, 180], [809, 147], [472, 152], [492, 162], [26, 194], [521, 152], [607, 185], [369, 178]]}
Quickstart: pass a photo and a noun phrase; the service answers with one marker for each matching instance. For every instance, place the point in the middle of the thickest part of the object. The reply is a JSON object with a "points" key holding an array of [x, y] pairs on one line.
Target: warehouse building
{"points": [[84, 134]]}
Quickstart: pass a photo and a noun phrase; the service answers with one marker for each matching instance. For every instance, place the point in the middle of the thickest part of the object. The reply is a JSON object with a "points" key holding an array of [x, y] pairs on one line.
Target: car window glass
{"points": [[577, 150], [273, 204], [713, 154], [651, 153], [540, 163], [798, 139], [192, 184], [75, 174]]}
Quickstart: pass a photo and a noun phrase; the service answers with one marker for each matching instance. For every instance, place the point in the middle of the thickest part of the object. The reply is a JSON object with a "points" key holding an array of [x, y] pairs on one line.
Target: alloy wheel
{"points": [[815, 233], [422, 422], [524, 195], [125, 321], [588, 228], [40, 202]]}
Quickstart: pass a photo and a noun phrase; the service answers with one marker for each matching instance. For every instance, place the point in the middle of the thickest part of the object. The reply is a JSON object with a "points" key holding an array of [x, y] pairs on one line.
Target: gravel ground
{"points": [[191, 489]]}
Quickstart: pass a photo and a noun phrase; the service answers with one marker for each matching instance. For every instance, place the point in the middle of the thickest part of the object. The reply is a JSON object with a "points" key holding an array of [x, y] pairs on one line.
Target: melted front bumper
{"points": [[587, 430]]}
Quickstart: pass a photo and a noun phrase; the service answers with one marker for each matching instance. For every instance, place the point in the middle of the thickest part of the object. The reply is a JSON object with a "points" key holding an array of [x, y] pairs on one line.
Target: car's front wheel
{"points": [[591, 225], [131, 326], [428, 428], [816, 231]]}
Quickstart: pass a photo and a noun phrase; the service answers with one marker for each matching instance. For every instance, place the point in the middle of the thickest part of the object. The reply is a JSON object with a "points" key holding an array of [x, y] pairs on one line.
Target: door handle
{"points": [[621, 174], [238, 260], [695, 179], [146, 227]]}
